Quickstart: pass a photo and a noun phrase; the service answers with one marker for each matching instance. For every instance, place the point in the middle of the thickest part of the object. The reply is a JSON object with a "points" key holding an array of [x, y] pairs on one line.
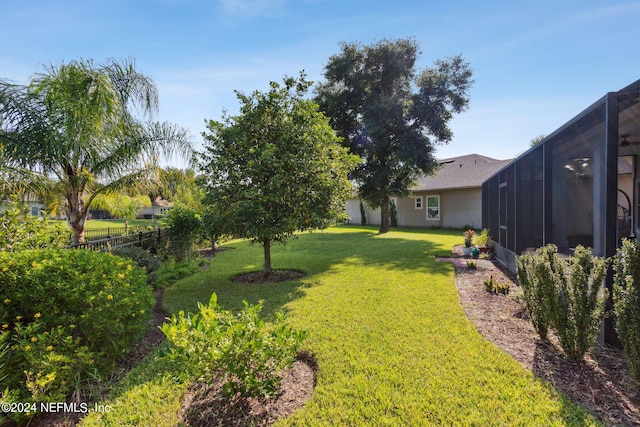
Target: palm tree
{"points": [[75, 123]]}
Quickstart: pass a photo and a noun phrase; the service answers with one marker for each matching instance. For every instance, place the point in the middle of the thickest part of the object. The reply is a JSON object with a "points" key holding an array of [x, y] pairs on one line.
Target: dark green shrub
{"points": [[565, 295], [393, 214], [363, 214], [579, 302], [250, 355], [534, 272], [142, 258], [626, 303], [19, 230], [64, 312]]}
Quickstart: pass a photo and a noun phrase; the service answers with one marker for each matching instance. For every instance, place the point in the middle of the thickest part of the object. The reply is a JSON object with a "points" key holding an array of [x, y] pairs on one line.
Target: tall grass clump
{"points": [[626, 303], [565, 295]]}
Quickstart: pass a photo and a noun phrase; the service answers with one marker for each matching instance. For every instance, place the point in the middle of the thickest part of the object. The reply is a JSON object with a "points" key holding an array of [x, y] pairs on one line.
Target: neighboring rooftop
{"points": [[460, 172]]}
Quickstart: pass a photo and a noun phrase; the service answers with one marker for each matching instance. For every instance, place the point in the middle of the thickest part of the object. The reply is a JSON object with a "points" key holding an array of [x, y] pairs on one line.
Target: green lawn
{"points": [[384, 322], [119, 223]]}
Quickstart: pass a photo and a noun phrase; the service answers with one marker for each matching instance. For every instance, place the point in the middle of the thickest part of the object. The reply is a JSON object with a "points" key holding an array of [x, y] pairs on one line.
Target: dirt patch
{"points": [[204, 405], [600, 383], [269, 276]]}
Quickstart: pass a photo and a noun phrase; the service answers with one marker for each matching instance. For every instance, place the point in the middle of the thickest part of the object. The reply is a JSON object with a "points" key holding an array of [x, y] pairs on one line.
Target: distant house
{"points": [[34, 205], [158, 208], [452, 197]]}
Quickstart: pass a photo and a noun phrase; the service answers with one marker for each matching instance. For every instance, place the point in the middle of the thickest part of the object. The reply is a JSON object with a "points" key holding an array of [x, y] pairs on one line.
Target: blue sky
{"points": [[536, 64]]}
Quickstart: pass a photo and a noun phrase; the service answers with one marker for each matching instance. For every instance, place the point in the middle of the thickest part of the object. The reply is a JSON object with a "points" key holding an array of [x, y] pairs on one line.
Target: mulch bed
{"points": [[600, 383], [205, 405]]}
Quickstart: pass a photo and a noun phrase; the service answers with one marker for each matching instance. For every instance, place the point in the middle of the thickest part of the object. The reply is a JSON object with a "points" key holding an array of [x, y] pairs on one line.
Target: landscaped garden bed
{"points": [[600, 383]]}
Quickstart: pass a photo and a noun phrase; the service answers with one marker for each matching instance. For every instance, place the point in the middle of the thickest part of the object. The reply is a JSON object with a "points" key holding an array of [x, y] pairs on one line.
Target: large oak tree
{"points": [[275, 168], [390, 114], [78, 124]]}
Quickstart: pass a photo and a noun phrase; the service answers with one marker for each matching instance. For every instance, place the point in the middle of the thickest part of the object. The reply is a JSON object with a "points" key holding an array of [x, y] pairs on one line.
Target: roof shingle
{"points": [[460, 172]]}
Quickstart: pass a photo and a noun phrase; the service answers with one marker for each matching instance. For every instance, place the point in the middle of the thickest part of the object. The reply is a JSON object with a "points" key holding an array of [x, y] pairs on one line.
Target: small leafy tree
{"points": [[626, 303], [276, 168], [185, 227], [212, 227], [122, 206]]}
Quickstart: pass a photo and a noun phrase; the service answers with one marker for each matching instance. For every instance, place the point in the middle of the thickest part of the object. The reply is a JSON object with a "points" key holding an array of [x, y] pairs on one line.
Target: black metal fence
{"points": [[141, 239], [108, 232]]}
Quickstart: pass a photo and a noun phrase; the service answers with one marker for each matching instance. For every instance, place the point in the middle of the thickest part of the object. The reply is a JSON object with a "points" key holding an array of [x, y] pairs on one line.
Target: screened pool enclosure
{"points": [[578, 186]]}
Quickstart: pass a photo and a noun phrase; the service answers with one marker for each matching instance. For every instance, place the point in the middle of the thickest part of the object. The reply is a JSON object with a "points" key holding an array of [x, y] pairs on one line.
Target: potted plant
{"points": [[468, 241], [482, 241]]}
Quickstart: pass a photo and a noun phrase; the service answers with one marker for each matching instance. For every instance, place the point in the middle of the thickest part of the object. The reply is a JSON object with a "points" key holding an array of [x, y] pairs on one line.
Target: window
{"points": [[433, 207], [35, 210], [418, 202]]}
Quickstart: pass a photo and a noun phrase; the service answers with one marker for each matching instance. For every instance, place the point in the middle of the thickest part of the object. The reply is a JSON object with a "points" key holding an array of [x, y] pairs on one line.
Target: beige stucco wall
{"points": [[457, 208]]}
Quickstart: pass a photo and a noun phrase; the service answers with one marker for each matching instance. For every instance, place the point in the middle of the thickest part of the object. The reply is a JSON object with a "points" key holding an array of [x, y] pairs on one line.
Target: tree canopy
{"points": [[76, 123], [276, 168], [390, 114]]}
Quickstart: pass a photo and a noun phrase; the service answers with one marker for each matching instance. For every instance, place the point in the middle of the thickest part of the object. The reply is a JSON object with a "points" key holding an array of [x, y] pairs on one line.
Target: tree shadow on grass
{"points": [[314, 254]]}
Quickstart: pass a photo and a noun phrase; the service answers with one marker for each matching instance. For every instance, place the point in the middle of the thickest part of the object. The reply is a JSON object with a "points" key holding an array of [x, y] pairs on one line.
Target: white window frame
{"points": [[419, 202], [429, 208], [394, 200]]}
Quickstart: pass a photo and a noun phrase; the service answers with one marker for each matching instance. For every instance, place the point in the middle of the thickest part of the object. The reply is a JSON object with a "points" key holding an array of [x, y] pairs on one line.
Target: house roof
{"points": [[460, 172]]}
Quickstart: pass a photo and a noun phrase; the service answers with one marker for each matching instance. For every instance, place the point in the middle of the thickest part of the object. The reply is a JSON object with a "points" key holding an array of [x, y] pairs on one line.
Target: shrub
{"points": [[393, 214], [534, 272], [472, 264], [19, 230], [250, 355], [626, 303], [579, 302], [363, 214], [185, 228], [142, 258], [67, 311], [170, 272], [565, 295], [482, 239]]}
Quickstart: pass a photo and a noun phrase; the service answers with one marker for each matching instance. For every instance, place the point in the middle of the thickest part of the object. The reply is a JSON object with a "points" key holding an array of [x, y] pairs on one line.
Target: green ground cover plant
{"points": [[383, 320]]}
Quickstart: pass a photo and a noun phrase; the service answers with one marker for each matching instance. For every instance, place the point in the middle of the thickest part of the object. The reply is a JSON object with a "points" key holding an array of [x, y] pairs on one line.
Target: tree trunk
{"points": [[76, 217], [266, 245], [384, 215]]}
